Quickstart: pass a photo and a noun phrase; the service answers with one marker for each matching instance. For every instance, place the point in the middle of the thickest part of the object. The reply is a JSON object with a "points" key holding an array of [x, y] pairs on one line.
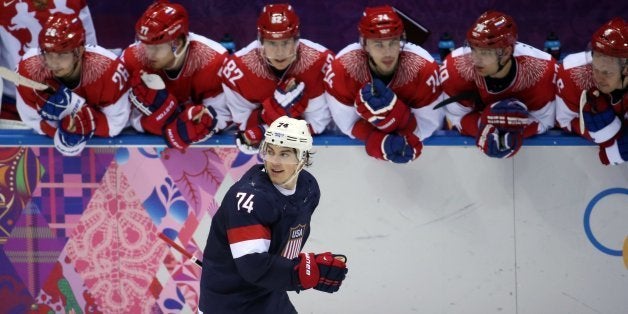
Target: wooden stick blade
{"points": [[17, 79]]}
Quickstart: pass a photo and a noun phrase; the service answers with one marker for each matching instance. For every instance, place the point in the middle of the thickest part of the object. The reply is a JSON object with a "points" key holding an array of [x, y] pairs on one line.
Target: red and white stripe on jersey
{"points": [[248, 239]]}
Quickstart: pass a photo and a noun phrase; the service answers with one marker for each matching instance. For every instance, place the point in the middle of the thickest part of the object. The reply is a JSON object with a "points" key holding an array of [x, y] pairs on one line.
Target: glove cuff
{"points": [[308, 270], [66, 149], [608, 132]]}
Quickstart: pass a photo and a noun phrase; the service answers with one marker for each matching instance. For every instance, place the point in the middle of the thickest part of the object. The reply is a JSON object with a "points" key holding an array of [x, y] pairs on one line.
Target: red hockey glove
{"points": [[393, 147], [498, 144], [61, 104], [83, 122], [157, 106], [248, 140], [379, 105], [193, 125], [508, 115], [599, 117], [324, 272], [74, 132]]}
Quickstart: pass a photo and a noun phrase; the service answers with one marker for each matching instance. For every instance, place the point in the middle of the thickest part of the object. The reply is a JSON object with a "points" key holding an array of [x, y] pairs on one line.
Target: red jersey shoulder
{"points": [[134, 58], [457, 73], [533, 72], [34, 67], [203, 54], [574, 76]]}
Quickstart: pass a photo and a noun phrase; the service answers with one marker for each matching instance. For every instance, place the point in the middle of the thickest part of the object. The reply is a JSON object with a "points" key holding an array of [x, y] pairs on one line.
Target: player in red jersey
{"points": [[20, 25], [90, 87], [277, 74], [183, 101], [592, 99], [502, 91], [383, 90]]}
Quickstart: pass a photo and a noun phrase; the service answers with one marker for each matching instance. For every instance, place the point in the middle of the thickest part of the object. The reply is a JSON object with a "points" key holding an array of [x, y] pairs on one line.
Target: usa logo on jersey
{"points": [[295, 239]]}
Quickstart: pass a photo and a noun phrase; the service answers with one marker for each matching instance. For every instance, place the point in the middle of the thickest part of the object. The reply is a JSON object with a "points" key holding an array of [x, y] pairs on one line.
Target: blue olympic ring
{"points": [[587, 217]]}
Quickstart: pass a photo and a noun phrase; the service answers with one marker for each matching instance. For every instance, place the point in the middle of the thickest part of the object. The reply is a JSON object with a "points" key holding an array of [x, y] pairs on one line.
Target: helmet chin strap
{"points": [[294, 175], [179, 55]]}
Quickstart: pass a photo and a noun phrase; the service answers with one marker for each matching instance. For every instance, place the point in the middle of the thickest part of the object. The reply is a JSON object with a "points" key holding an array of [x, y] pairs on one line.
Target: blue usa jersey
{"points": [[253, 245]]}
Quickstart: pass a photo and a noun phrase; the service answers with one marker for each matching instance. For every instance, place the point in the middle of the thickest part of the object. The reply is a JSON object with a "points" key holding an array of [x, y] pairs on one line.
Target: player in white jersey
{"points": [[190, 105], [383, 90], [90, 87], [20, 25], [278, 74], [501, 91], [592, 99]]}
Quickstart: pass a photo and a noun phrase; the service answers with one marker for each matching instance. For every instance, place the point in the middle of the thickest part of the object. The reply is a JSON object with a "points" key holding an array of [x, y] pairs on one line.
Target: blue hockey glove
{"points": [[499, 145], [393, 147], [61, 104]]}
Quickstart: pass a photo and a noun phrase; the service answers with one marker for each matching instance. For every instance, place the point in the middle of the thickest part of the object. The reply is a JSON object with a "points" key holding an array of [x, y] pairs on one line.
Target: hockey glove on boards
{"points": [[156, 105], [324, 272], [74, 132], [599, 117], [195, 124], [498, 144], [61, 104], [248, 140], [508, 115], [616, 153], [393, 147], [379, 105]]}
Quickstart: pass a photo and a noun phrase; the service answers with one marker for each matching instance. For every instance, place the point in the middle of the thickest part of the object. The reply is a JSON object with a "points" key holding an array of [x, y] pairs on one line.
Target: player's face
{"points": [[485, 61], [606, 73], [160, 56], [281, 163], [385, 54], [62, 64], [280, 53]]}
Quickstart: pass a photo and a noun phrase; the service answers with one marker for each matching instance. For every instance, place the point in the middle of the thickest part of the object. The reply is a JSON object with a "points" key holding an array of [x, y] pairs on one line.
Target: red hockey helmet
{"points": [[278, 21], [612, 38], [380, 22], [62, 33], [162, 22], [493, 29]]}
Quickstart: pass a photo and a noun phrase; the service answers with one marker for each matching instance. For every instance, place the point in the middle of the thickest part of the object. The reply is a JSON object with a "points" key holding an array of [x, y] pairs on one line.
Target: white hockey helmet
{"points": [[289, 132]]}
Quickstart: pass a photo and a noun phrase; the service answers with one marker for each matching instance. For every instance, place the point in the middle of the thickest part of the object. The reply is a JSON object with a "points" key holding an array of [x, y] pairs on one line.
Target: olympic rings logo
{"points": [[589, 233]]}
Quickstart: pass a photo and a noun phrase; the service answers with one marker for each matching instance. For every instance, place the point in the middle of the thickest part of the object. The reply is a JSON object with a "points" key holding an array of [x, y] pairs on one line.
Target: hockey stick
{"points": [[181, 250], [415, 32], [583, 101], [23, 81], [472, 95]]}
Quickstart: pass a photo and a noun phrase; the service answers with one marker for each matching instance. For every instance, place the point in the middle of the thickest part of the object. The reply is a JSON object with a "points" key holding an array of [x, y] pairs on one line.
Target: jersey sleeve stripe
{"points": [[242, 248], [253, 232]]}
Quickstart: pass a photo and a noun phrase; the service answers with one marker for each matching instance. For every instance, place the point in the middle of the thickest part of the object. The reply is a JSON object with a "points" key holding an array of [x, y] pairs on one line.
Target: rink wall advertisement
{"points": [[452, 232]]}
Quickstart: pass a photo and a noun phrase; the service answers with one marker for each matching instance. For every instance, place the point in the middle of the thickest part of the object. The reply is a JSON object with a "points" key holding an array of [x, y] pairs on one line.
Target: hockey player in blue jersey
{"points": [[253, 252]]}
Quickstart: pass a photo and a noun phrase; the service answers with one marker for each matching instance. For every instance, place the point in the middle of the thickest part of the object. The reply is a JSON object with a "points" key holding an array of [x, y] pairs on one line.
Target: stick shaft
{"points": [[181, 250]]}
